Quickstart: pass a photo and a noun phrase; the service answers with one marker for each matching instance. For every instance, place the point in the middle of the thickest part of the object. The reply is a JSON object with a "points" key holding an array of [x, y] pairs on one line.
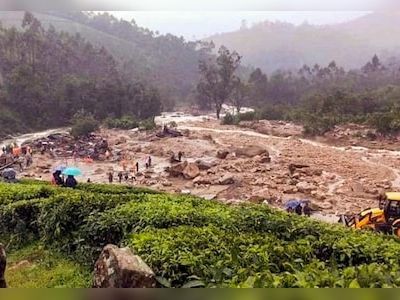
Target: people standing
{"points": [[110, 177], [137, 167], [71, 182], [28, 159], [180, 154], [120, 175], [57, 179], [149, 161]]}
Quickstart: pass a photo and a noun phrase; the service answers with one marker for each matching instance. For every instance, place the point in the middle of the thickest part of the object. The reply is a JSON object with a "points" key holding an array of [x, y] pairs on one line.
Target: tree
{"points": [[218, 78], [258, 84], [240, 94]]}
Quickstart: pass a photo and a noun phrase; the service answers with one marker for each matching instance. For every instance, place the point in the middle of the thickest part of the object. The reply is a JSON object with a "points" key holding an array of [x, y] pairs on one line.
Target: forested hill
{"points": [[49, 76], [273, 46], [165, 61]]}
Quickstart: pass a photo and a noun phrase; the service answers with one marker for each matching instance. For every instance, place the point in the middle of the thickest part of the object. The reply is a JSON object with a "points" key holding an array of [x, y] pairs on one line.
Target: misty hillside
{"points": [[166, 61], [279, 45]]}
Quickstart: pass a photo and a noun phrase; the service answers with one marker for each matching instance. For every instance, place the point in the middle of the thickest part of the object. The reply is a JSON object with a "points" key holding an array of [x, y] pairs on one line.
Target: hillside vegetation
{"points": [[165, 61], [189, 241], [49, 76], [272, 46]]}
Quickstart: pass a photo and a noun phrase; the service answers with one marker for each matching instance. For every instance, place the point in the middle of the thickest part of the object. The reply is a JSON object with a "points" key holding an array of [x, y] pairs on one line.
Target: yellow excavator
{"points": [[384, 219]]}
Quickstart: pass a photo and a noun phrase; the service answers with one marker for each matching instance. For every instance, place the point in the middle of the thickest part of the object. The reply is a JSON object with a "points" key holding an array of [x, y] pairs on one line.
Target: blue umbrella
{"points": [[292, 204], [72, 171]]}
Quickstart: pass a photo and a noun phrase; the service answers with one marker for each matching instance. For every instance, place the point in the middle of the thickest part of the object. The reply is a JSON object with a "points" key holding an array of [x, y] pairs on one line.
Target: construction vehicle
{"points": [[385, 218]]}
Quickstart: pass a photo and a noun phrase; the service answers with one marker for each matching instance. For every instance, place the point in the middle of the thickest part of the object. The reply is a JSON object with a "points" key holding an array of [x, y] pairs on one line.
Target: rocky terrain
{"points": [[264, 163]]}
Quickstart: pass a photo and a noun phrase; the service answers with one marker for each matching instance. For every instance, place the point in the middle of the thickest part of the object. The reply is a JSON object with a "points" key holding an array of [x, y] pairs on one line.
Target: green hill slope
{"points": [[167, 62], [273, 46], [185, 238]]}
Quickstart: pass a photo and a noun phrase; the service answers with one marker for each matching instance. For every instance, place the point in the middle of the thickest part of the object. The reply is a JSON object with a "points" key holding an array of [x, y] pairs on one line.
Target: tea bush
{"points": [[192, 242]]}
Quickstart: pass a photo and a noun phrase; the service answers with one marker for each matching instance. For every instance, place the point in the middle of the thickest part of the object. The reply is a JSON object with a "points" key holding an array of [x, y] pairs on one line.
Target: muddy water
{"points": [[31, 136]]}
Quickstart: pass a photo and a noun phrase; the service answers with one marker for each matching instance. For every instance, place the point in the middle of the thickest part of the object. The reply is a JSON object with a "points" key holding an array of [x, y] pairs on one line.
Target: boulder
{"points": [[356, 187], [264, 159], [202, 180], [166, 183], [305, 187], [120, 268], [290, 190], [222, 154], [226, 179], [205, 165], [176, 170], [191, 171], [3, 262], [251, 151], [256, 199]]}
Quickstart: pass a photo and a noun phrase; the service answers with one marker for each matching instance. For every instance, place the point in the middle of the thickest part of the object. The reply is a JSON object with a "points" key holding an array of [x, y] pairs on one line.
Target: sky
{"points": [[199, 24]]}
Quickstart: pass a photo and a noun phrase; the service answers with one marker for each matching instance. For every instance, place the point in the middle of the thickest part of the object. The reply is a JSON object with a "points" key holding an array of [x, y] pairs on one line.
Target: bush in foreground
{"points": [[191, 242]]}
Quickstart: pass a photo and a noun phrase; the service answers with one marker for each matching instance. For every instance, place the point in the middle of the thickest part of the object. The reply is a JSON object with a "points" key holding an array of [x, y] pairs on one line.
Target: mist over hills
{"points": [[280, 45]]}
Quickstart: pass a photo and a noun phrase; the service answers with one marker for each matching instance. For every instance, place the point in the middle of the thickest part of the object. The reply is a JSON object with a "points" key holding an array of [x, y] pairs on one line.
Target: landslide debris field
{"points": [[257, 162]]}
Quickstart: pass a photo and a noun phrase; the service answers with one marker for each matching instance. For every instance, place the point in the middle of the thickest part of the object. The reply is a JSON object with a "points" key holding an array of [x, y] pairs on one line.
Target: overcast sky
{"points": [[199, 24]]}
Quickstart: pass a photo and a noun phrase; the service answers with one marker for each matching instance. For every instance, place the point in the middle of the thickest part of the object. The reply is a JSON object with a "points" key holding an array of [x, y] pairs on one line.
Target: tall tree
{"points": [[240, 94], [218, 78]]}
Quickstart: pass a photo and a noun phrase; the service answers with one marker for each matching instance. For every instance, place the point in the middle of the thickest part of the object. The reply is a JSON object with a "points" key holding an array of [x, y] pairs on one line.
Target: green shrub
{"points": [[189, 241], [230, 119], [83, 124], [148, 124], [248, 116], [125, 122]]}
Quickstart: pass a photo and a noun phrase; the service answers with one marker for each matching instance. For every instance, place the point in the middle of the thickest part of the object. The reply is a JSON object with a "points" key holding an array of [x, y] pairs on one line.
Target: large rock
{"points": [[251, 151], [205, 165], [222, 154], [305, 187], [226, 179], [176, 170], [202, 180], [120, 268], [191, 171], [357, 187], [3, 263]]}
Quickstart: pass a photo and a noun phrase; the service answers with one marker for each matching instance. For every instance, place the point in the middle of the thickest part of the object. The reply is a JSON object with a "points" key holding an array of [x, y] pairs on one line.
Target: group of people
{"points": [[125, 173], [58, 179], [12, 153]]}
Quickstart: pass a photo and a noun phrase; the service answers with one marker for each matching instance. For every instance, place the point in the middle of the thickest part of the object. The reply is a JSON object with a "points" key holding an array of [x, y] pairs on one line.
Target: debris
{"points": [[222, 154]]}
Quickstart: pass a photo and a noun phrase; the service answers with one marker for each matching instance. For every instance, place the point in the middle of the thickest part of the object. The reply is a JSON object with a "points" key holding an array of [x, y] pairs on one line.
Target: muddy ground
{"points": [[337, 178]]}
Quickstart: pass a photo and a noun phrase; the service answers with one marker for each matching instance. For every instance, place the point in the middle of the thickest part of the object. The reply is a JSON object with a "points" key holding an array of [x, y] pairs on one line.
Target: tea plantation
{"points": [[54, 235]]}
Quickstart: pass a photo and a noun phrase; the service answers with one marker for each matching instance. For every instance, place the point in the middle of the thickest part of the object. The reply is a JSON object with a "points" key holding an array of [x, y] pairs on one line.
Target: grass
{"points": [[36, 267]]}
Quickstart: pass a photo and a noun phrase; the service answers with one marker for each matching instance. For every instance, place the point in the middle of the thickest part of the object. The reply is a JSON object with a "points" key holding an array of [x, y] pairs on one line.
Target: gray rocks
{"points": [[185, 169], [226, 179], [202, 180], [205, 165], [120, 268], [251, 151]]}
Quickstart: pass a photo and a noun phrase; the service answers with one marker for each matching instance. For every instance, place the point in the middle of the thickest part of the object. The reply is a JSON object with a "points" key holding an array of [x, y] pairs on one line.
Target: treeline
{"points": [[48, 76], [321, 97], [167, 61]]}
